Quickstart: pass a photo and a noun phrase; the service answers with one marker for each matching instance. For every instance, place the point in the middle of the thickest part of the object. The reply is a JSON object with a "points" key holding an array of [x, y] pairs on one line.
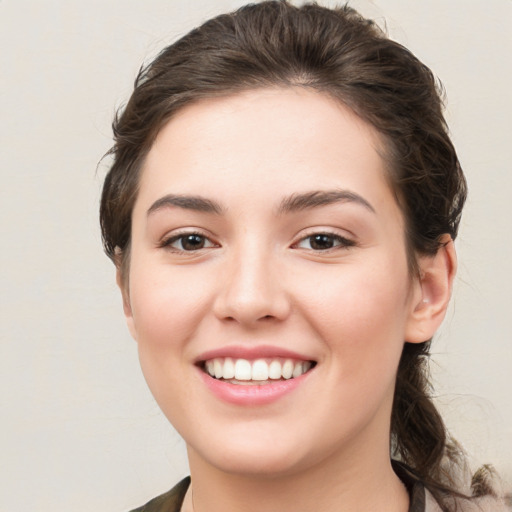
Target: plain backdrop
{"points": [[79, 429]]}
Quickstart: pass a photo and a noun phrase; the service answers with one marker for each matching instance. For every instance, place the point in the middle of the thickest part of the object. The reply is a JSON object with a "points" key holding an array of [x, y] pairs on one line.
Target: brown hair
{"points": [[336, 51]]}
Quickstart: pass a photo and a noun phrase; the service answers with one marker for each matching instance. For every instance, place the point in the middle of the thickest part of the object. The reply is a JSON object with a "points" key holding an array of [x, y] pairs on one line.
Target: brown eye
{"points": [[188, 242], [321, 242], [324, 242], [192, 242]]}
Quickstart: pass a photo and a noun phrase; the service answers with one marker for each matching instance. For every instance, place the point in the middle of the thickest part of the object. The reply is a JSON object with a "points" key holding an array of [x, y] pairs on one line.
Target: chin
{"points": [[261, 466], [261, 459]]}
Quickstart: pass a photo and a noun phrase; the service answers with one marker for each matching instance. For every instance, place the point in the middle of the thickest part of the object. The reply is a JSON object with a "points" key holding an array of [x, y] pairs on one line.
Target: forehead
{"points": [[264, 141]]}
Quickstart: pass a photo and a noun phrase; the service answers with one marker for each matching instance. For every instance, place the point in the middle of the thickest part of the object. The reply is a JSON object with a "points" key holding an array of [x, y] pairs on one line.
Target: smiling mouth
{"points": [[255, 372]]}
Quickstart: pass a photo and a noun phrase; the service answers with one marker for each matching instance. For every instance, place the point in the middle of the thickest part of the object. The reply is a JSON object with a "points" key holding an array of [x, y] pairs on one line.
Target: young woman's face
{"points": [[267, 241]]}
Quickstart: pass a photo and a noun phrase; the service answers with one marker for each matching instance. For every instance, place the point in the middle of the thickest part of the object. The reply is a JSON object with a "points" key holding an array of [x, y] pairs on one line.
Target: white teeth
{"points": [[243, 369], [288, 369], [229, 368], [217, 368], [258, 370], [297, 370], [275, 370]]}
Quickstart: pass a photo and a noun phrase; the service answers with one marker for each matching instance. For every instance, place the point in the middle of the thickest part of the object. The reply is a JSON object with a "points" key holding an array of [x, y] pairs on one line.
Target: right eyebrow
{"points": [[315, 198], [197, 203]]}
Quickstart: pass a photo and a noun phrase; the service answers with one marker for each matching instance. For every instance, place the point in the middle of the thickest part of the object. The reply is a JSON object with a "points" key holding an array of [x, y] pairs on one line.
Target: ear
{"points": [[122, 283], [432, 292]]}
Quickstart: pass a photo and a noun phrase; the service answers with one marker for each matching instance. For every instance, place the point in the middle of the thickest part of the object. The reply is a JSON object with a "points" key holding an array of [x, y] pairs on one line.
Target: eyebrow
{"points": [[293, 203], [307, 200], [196, 203]]}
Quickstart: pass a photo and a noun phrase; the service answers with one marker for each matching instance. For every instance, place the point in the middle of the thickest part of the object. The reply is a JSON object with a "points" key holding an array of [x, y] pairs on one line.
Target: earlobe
{"points": [[432, 293]]}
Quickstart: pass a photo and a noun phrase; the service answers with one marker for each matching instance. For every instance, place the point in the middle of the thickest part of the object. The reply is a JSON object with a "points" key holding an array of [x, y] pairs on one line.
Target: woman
{"points": [[281, 210]]}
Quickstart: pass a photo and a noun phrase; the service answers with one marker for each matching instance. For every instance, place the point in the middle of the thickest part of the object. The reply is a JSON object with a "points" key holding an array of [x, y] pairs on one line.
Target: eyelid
{"points": [[346, 242], [167, 240]]}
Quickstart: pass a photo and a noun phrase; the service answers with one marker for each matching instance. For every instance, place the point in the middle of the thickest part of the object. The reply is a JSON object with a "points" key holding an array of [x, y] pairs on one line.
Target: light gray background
{"points": [[79, 430]]}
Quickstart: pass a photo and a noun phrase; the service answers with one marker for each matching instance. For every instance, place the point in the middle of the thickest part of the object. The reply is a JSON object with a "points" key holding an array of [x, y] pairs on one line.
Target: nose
{"points": [[251, 292]]}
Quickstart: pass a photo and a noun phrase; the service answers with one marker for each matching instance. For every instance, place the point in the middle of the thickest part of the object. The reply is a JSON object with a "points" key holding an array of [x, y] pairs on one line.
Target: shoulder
{"points": [[485, 488], [493, 499], [423, 500], [482, 504], [170, 501]]}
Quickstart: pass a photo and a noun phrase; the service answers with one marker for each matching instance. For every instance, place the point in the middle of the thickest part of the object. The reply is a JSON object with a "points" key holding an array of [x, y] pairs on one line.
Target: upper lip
{"points": [[252, 353]]}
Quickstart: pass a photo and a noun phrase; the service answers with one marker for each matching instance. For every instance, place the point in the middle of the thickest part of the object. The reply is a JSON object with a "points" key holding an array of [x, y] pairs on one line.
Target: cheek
{"points": [[358, 301], [166, 305], [361, 316], [167, 308]]}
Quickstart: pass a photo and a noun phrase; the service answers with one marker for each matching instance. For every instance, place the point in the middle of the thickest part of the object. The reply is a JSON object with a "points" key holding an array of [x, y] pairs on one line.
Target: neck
{"points": [[340, 484]]}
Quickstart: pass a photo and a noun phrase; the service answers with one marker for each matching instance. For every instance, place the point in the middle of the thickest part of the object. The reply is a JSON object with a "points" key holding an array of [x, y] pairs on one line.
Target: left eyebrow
{"points": [[197, 203], [313, 199]]}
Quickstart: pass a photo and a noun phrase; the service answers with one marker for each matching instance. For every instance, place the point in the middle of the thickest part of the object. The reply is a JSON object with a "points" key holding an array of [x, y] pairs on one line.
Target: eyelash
{"points": [[337, 241], [168, 242], [342, 242]]}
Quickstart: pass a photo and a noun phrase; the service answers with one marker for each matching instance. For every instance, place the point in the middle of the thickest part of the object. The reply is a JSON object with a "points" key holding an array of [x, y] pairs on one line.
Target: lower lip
{"points": [[252, 394]]}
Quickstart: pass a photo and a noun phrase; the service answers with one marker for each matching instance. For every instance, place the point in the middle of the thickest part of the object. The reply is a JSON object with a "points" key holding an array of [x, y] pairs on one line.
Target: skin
{"points": [[258, 280]]}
